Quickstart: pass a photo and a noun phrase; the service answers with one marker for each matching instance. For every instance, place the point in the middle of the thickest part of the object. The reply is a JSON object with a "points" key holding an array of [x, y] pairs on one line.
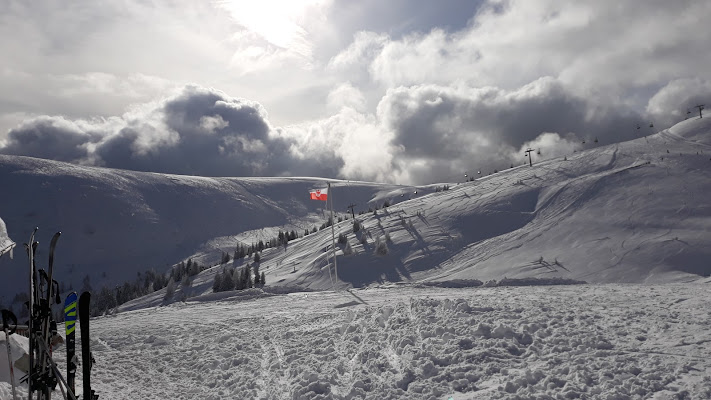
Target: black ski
{"points": [[31, 247], [47, 324], [87, 359], [70, 320]]}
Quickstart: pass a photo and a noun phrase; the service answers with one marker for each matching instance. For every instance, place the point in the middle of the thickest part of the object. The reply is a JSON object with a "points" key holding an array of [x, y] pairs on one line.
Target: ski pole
{"points": [[8, 315]]}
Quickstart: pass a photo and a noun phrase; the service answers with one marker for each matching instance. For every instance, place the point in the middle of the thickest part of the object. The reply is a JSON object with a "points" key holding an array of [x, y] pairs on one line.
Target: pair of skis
{"points": [[70, 319], [43, 374]]}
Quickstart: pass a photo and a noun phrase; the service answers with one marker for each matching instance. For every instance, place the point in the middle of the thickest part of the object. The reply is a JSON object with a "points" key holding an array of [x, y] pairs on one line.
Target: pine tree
{"points": [[170, 290], [217, 284], [261, 279], [237, 279], [86, 284], [227, 283], [243, 277], [257, 257], [256, 275]]}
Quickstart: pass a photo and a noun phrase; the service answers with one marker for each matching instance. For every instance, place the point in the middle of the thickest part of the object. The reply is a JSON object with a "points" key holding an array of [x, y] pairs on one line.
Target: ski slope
{"points": [[633, 211], [628, 212], [611, 341], [615, 216]]}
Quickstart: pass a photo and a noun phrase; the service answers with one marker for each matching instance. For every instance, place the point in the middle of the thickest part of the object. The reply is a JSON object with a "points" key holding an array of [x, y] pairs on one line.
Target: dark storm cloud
{"points": [[49, 137], [198, 132], [445, 129]]}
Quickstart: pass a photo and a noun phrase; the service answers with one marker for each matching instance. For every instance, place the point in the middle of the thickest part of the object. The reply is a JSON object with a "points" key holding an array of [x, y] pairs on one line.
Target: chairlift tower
{"points": [[700, 107], [528, 154]]}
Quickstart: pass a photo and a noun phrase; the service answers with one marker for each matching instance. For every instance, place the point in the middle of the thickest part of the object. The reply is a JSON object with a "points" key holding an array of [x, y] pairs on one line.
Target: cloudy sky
{"points": [[404, 91]]}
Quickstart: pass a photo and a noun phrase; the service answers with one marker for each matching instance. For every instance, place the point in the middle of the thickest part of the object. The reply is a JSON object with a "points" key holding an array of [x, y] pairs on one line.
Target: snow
{"points": [[19, 346], [612, 341], [6, 244], [422, 320], [625, 212]]}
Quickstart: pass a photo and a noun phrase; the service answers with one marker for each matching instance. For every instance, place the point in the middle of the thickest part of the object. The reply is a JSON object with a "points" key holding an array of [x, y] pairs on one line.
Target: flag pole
{"points": [[333, 234]]}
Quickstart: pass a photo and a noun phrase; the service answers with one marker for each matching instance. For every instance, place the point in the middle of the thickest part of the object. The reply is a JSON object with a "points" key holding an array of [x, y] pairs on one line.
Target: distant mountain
{"points": [[635, 211]]}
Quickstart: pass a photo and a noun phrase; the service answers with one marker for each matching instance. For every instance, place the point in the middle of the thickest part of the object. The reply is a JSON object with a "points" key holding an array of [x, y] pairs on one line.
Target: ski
{"points": [[31, 247], [48, 326], [70, 320], [87, 359]]}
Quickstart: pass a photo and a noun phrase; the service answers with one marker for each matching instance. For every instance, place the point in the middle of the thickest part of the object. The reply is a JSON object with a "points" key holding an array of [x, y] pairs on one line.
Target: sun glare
{"points": [[279, 22]]}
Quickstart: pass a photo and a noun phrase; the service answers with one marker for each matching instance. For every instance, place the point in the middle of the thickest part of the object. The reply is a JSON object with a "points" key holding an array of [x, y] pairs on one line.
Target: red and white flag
{"points": [[319, 194]]}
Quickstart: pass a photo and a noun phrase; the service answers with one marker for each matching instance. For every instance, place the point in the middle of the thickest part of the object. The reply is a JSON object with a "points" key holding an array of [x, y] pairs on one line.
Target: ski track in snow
{"points": [[588, 341]]}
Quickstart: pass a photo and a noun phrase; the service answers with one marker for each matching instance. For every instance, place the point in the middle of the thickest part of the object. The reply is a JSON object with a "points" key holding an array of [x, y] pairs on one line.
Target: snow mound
{"points": [[6, 244]]}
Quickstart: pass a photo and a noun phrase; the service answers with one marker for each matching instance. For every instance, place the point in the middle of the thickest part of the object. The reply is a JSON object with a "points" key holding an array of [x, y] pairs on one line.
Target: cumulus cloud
{"points": [[671, 103], [603, 48], [197, 131], [553, 145], [444, 130], [369, 90], [346, 95], [357, 139], [419, 134], [52, 137], [354, 61]]}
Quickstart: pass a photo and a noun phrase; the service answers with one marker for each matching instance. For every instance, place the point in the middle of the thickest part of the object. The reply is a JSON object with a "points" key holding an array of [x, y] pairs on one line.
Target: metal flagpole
{"points": [[333, 234]]}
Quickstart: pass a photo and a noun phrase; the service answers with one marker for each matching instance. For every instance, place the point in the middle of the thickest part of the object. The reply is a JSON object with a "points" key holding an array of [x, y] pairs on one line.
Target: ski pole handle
{"points": [[8, 315]]}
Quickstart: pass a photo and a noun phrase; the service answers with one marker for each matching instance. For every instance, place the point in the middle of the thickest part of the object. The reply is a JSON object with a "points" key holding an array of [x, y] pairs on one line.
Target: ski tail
{"points": [[87, 358]]}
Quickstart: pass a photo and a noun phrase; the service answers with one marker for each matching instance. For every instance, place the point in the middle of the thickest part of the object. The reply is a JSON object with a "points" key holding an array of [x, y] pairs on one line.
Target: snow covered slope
{"points": [[116, 223], [634, 211], [556, 342]]}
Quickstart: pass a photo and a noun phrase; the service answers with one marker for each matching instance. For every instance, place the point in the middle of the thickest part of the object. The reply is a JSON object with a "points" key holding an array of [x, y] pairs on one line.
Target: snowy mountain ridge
{"points": [[627, 212]]}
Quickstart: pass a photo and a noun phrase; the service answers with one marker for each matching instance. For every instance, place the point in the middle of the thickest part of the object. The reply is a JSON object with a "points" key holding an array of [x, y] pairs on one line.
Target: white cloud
{"points": [[553, 145], [670, 103], [210, 123], [346, 95], [449, 96]]}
